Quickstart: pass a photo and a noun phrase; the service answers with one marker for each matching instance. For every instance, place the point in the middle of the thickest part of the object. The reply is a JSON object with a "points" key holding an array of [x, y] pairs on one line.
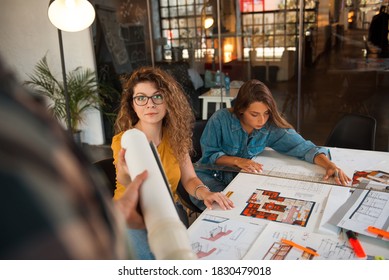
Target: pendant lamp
{"points": [[71, 15]]}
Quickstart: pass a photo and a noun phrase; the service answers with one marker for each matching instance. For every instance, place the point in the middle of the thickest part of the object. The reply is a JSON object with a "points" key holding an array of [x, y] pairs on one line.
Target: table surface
{"points": [[304, 206], [217, 96], [215, 93]]}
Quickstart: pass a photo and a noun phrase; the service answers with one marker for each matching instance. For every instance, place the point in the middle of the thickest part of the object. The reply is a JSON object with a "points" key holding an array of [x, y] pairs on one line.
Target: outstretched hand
{"points": [[340, 177]]}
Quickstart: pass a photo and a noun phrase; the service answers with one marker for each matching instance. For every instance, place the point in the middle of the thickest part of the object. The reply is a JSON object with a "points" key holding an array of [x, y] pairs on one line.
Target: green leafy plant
{"points": [[85, 92]]}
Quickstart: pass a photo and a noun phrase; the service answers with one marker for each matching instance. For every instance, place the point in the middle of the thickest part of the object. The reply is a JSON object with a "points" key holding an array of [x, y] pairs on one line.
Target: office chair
{"points": [[108, 169], [185, 199], [353, 131], [197, 132], [181, 192]]}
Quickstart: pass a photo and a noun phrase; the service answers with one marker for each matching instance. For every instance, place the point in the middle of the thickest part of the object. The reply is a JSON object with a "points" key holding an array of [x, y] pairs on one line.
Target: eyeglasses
{"points": [[142, 100]]}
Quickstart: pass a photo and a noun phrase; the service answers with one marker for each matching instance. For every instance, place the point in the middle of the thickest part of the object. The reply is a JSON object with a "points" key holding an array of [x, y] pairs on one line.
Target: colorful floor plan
{"points": [[270, 205]]}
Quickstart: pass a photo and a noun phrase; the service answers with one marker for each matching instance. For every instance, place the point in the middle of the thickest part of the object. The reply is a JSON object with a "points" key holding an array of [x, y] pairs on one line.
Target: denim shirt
{"points": [[224, 135]]}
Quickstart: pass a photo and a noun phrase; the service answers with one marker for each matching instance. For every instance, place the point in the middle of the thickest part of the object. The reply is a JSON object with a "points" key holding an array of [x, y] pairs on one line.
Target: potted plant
{"points": [[84, 90]]}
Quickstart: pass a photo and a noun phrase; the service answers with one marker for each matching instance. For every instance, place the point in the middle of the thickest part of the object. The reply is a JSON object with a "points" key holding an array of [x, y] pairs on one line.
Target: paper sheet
{"points": [[364, 208], [278, 165], [350, 160], [337, 197], [292, 191], [219, 238], [269, 246]]}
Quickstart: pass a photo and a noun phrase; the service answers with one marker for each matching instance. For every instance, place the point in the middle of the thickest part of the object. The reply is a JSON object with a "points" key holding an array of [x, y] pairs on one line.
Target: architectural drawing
{"points": [[201, 251], [333, 249], [279, 251], [309, 214], [217, 232], [371, 208], [375, 175], [268, 246], [363, 208], [270, 205], [277, 165], [216, 237]]}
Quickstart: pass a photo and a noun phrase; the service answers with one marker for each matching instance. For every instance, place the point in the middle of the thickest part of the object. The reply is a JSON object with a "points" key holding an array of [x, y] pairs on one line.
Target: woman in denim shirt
{"points": [[234, 136]]}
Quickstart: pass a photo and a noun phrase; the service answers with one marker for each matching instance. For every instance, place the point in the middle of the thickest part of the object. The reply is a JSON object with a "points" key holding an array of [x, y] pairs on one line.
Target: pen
{"points": [[305, 249], [355, 244], [329, 154], [378, 231]]}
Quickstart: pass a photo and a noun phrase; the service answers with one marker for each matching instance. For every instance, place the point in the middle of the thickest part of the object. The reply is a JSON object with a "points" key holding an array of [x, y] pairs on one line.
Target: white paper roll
{"points": [[167, 235]]}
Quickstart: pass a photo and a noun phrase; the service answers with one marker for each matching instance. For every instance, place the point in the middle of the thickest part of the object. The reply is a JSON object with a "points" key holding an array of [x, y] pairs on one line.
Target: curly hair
{"points": [[256, 91], [179, 120]]}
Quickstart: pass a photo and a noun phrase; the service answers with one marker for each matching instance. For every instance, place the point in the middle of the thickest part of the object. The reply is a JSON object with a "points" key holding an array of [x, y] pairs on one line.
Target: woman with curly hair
{"points": [[153, 102]]}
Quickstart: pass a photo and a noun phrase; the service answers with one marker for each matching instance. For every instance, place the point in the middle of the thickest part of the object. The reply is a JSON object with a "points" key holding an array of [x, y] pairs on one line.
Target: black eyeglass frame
{"points": [[156, 97]]}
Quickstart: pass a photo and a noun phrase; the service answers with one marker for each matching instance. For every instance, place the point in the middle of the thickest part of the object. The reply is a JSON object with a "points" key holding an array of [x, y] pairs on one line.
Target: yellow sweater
{"points": [[169, 163]]}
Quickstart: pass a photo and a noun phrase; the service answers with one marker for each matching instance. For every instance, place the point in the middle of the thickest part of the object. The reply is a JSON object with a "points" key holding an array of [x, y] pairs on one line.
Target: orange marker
{"points": [[378, 231], [291, 243], [355, 244]]}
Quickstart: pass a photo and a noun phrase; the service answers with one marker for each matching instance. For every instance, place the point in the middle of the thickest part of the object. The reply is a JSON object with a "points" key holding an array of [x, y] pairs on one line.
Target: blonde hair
{"points": [[179, 120]]}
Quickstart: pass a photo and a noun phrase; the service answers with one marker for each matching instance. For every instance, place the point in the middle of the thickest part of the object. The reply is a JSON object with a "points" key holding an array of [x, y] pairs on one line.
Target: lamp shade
{"points": [[71, 15], [208, 22]]}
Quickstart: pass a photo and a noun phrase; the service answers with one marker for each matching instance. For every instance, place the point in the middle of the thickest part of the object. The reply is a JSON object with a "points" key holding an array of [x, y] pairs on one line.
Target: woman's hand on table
{"points": [[216, 197], [248, 165], [340, 177]]}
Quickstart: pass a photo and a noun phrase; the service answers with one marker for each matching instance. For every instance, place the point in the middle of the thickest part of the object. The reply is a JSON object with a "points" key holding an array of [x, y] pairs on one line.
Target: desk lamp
{"points": [[70, 16]]}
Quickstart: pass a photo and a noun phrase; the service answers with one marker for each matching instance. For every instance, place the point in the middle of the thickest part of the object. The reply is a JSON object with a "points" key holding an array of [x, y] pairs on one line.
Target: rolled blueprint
{"points": [[167, 235]]}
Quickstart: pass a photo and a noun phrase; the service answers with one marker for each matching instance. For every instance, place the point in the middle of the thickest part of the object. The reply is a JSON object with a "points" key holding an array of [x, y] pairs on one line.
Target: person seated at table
{"points": [[153, 102], [233, 136]]}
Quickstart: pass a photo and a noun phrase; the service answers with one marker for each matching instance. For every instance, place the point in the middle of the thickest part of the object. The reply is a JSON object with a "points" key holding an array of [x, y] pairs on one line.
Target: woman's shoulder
{"points": [[224, 117], [222, 114], [116, 139], [117, 136]]}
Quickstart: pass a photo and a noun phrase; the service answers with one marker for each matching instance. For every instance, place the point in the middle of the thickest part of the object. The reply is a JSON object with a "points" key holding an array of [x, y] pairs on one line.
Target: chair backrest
{"points": [[107, 167], [185, 199], [353, 131], [197, 132]]}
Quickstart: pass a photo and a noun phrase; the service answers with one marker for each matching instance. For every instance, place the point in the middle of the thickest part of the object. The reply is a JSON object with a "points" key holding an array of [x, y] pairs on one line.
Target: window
{"points": [[181, 25], [270, 27]]}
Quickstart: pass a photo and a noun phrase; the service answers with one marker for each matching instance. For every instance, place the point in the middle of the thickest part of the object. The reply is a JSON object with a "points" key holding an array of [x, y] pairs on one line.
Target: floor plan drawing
{"points": [[364, 208], [268, 246], [333, 249], [271, 205], [371, 208]]}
